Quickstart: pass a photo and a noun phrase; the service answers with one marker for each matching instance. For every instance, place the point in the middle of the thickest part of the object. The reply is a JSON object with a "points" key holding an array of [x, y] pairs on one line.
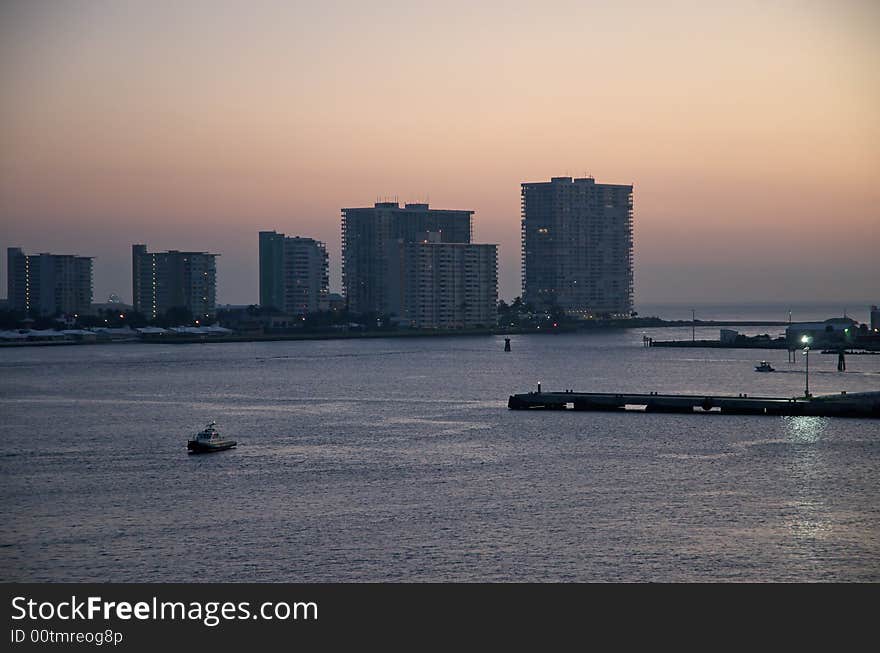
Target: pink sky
{"points": [[751, 131]]}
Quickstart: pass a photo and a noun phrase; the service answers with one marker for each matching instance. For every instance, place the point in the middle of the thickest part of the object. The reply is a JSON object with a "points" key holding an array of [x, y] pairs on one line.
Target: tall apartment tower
{"points": [[448, 285], [370, 242], [173, 279], [293, 273], [49, 284], [577, 244]]}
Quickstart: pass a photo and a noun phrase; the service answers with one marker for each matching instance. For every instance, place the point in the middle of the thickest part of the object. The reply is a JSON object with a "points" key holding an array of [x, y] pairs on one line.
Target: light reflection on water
{"points": [[809, 521], [805, 428], [392, 460]]}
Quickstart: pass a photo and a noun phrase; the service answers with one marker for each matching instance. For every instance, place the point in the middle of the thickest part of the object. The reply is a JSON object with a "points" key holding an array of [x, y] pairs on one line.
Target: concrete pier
{"points": [[861, 404]]}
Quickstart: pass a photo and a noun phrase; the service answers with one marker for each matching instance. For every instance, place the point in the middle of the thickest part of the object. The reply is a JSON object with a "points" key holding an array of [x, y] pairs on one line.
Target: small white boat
{"points": [[764, 366], [208, 440]]}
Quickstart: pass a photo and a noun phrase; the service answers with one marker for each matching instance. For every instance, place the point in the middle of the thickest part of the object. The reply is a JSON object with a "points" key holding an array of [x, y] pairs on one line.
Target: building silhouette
{"points": [[293, 273], [173, 279], [447, 285], [577, 246], [371, 237], [830, 332], [48, 284]]}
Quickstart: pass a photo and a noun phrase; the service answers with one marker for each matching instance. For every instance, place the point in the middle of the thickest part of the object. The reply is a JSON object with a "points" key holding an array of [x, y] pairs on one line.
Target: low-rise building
{"points": [[333, 302], [728, 336], [833, 331]]}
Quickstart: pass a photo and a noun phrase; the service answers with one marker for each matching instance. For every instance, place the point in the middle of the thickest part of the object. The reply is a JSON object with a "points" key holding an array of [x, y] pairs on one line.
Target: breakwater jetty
{"points": [[860, 404], [740, 343]]}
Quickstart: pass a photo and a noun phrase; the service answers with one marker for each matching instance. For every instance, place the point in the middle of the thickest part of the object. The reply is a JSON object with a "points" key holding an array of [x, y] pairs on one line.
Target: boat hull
{"points": [[194, 446]]}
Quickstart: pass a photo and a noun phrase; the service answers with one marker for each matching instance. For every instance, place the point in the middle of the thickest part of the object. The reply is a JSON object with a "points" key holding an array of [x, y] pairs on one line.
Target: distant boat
{"points": [[764, 367], [208, 440]]}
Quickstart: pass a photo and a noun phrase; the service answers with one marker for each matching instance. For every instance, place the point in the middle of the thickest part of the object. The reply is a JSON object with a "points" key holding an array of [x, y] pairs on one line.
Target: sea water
{"points": [[397, 459]]}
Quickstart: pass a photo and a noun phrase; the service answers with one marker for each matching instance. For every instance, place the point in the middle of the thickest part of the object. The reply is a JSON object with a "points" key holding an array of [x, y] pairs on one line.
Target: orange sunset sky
{"points": [[750, 130]]}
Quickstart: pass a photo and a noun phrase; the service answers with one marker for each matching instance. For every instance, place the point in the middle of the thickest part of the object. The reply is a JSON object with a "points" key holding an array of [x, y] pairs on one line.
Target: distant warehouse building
{"points": [[836, 330], [48, 284], [293, 273], [577, 244], [446, 285], [173, 279]]}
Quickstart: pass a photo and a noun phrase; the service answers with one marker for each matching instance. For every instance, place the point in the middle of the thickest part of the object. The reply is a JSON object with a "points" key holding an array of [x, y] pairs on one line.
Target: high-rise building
{"points": [[293, 273], [17, 283], [447, 285], [577, 246], [48, 284], [164, 280], [271, 269], [370, 241]]}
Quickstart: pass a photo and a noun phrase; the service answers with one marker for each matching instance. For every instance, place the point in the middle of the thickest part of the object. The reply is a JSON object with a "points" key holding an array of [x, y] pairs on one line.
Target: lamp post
{"points": [[806, 342]]}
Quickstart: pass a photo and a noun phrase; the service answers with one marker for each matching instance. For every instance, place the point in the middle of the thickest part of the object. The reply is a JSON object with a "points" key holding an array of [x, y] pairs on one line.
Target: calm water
{"points": [[397, 460]]}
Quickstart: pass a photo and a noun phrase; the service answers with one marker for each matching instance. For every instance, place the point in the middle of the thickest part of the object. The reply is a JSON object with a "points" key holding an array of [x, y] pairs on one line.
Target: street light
{"points": [[806, 342]]}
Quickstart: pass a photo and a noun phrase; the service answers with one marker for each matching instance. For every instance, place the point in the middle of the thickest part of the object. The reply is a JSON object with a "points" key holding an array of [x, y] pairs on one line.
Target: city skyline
{"points": [[132, 122]]}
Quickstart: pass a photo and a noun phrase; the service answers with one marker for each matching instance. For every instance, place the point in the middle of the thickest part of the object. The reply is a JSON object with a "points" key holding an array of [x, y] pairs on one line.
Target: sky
{"points": [[750, 131]]}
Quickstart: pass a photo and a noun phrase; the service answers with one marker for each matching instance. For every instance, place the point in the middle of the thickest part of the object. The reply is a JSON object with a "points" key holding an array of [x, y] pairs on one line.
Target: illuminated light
{"points": [[805, 339]]}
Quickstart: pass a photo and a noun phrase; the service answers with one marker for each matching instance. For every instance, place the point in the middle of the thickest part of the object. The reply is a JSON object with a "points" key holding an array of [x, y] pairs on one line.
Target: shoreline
{"points": [[598, 325]]}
